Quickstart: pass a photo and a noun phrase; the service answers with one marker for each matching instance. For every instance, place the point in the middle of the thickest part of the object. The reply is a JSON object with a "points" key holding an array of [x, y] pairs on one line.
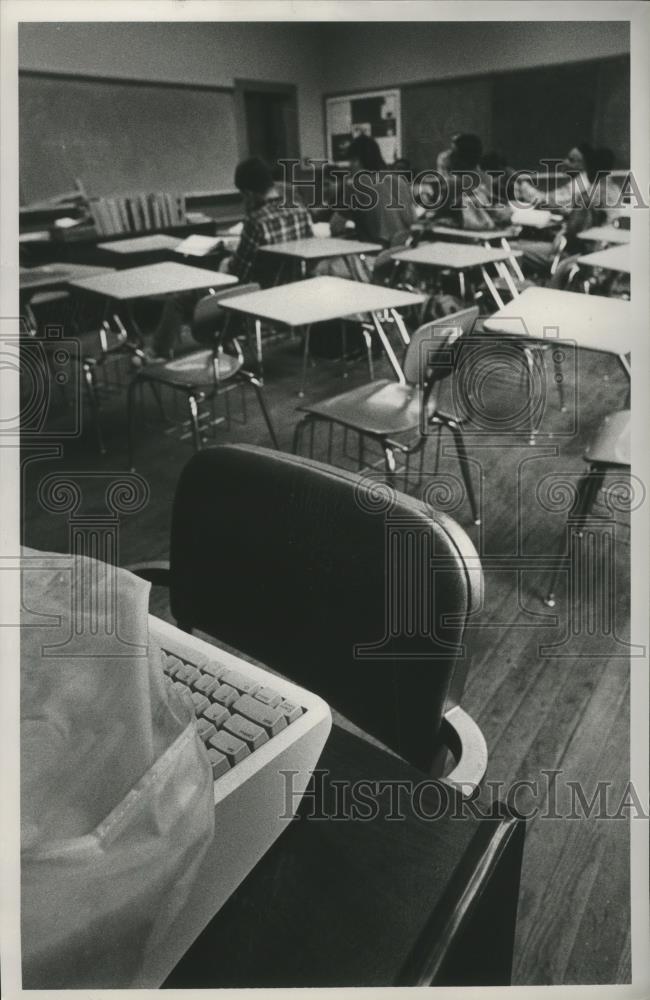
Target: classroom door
{"points": [[270, 121]]}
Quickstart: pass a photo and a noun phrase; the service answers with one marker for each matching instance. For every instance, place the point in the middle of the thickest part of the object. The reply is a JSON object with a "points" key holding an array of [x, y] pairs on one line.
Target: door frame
{"points": [[287, 90]]}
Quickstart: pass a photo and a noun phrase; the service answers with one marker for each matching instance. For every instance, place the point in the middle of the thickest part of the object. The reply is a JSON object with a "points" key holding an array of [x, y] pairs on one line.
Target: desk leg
{"points": [[305, 361], [513, 260], [507, 277], [399, 323], [492, 288], [258, 350], [303, 268], [397, 368], [530, 365], [461, 285]]}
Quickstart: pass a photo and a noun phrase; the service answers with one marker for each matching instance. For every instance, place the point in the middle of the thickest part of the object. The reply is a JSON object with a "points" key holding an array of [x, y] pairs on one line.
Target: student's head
{"points": [[365, 154], [254, 179], [466, 151], [579, 159]]}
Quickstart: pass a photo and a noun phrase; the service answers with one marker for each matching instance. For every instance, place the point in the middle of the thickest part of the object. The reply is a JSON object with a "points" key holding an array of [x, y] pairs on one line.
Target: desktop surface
{"points": [[320, 247], [141, 244], [318, 299], [605, 234], [457, 256], [616, 258], [154, 279]]}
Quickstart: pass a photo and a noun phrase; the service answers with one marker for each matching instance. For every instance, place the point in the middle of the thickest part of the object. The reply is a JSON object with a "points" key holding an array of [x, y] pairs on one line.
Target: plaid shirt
{"points": [[272, 223]]}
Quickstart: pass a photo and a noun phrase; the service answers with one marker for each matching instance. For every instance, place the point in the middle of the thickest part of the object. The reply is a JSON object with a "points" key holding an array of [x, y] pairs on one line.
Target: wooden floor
{"points": [[560, 709]]}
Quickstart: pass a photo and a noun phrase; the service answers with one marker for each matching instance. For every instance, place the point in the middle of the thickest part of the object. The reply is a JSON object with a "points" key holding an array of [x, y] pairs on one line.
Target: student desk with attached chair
{"points": [[461, 257]]}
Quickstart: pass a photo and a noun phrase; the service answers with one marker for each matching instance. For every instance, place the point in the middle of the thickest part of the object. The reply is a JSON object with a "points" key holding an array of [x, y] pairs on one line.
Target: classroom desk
{"points": [[317, 248], [605, 234], [166, 278], [343, 902], [129, 251], [592, 323], [317, 300], [616, 258], [462, 257], [49, 276], [485, 237]]}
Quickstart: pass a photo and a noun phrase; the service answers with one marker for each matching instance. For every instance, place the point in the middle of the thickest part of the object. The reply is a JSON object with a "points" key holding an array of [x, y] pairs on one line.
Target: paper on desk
{"points": [[321, 230], [116, 791], [536, 218], [197, 245]]}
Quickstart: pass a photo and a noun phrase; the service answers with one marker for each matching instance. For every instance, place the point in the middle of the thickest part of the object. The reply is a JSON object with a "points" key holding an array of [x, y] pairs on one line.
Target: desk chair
{"points": [[609, 451], [285, 560], [201, 374], [384, 409]]}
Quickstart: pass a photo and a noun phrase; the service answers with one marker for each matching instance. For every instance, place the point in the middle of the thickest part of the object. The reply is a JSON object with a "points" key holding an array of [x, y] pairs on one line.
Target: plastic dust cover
{"points": [[116, 791]]}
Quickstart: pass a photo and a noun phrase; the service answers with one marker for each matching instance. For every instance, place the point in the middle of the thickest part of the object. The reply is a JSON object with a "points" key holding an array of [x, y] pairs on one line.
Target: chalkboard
{"points": [[123, 137]]}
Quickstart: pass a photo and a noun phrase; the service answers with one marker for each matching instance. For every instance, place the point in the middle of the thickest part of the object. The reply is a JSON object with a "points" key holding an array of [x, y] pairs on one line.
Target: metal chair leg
{"points": [[130, 418], [389, 462], [530, 366], [367, 336], [194, 420], [88, 370], [297, 433], [465, 469], [257, 386], [305, 361], [586, 494]]}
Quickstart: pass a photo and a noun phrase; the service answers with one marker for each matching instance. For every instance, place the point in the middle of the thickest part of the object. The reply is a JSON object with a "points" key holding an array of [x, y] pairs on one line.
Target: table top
{"points": [[141, 244], [590, 321], [319, 299], [605, 234], [51, 275], [320, 247], [473, 234], [614, 258], [341, 903], [154, 279], [457, 256]]}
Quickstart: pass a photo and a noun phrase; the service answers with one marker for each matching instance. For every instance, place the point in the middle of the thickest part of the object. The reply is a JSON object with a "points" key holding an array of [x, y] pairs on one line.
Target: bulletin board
{"points": [[377, 113]]}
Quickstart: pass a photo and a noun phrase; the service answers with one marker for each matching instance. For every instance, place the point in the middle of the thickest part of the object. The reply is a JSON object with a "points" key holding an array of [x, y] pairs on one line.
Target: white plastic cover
{"points": [[117, 802]]}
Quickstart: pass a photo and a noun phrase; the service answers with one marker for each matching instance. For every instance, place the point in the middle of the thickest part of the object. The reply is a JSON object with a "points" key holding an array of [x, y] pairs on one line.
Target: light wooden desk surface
{"points": [[141, 244], [605, 234], [590, 321], [614, 258], [154, 279], [319, 299], [56, 275], [457, 256], [318, 248], [473, 234]]}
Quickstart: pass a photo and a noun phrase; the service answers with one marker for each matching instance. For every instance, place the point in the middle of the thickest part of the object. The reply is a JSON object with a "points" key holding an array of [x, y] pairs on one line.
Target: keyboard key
{"points": [[200, 702], [234, 748], [219, 763], [243, 684], [206, 729], [225, 694], [212, 668], [245, 730], [268, 697], [206, 684], [171, 664], [270, 718], [181, 689], [188, 674], [217, 714], [290, 710]]}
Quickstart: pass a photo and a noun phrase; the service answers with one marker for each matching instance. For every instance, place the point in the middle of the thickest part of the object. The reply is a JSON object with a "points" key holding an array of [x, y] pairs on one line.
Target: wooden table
{"points": [[613, 258], [317, 248], [462, 257], [605, 234], [316, 300], [166, 278], [341, 902]]}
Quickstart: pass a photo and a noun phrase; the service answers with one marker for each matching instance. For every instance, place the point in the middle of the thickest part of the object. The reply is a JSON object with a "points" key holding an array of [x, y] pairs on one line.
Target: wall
{"points": [[372, 54], [207, 53]]}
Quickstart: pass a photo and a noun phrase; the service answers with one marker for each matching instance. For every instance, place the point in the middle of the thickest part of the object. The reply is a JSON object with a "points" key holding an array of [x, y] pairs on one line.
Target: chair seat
{"points": [[611, 445], [195, 369], [379, 408]]}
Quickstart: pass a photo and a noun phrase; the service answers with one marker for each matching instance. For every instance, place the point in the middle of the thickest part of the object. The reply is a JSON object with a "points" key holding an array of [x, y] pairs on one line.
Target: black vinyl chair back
{"points": [[211, 323], [353, 591], [431, 354]]}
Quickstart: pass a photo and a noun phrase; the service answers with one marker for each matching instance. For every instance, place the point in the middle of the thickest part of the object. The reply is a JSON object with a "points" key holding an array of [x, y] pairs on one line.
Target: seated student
{"points": [[270, 218], [392, 212], [470, 202]]}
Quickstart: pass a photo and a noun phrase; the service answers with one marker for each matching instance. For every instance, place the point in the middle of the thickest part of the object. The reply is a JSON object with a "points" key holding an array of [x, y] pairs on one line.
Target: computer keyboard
{"points": [[263, 736]]}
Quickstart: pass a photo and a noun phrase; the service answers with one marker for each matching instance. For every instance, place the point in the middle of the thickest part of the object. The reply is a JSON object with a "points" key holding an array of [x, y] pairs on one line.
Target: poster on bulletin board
{"points": [[376, 114]]}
